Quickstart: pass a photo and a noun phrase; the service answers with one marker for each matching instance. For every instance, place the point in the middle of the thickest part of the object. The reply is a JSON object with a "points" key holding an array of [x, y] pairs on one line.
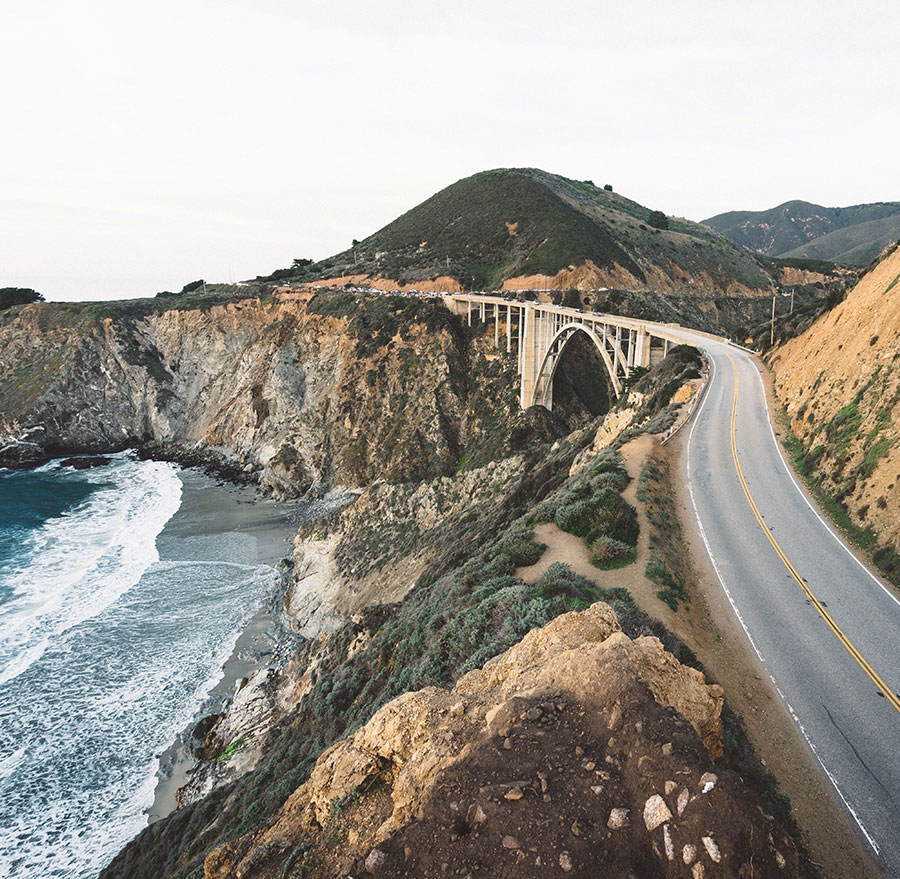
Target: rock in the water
{"points": [[85, 462]]}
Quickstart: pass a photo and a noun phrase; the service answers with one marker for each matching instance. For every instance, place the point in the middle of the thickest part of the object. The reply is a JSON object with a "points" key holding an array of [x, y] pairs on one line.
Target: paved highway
{"points": [[826, 630]]}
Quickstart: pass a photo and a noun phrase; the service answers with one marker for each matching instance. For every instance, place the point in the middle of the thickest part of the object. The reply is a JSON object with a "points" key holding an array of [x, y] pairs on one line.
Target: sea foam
{"points": [[120, 651], [78, 564]]}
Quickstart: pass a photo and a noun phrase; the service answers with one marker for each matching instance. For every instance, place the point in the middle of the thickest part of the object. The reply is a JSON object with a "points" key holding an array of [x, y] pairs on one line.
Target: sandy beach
{"points": [[265, 527]]}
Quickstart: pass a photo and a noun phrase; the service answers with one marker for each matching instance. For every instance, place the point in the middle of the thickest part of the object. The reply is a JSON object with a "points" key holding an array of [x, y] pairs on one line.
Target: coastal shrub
{"points": [[604, 513], [577, 517], [608, 553], [233, 748], [591, 506], [519, 546], [559, 580], [333, 304], [10, 296], [673, 589], [615, 480], [545, 511], [888, 561]]}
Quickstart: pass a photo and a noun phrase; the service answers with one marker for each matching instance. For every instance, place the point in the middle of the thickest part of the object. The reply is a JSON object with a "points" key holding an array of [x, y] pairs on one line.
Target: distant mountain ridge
{"points": [[523, 227], [852, 235]]}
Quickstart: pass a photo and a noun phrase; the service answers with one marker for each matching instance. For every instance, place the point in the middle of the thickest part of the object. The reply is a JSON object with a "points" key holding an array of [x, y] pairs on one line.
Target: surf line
{"points": [[885, 690]]}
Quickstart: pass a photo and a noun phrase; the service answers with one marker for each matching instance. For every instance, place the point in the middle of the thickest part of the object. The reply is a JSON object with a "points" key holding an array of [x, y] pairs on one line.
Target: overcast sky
{"points": [[148, 144]]}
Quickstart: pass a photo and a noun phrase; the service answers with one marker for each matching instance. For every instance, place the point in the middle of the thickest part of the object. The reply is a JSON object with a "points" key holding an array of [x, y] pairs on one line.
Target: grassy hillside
{"points": [[853, 235], [840, 384], [509, 223]]}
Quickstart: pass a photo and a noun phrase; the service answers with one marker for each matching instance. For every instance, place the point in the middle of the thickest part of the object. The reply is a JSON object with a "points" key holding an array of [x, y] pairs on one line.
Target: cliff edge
{"points": [[578, 750]]}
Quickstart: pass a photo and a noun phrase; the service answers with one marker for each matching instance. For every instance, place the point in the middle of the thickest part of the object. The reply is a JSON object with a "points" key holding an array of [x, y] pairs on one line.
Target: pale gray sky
{"points": [[148, 144]]}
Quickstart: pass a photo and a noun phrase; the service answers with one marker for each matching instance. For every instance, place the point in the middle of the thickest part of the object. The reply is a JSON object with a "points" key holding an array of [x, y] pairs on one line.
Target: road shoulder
{"points": [[712, 631]]}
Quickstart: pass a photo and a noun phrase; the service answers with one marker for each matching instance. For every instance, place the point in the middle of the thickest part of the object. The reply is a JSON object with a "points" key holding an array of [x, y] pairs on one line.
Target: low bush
{"points": [[604, 513], [608, 553]]}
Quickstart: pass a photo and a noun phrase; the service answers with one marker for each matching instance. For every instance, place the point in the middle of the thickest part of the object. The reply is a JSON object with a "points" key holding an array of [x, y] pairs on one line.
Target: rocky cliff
{"points": [[576, 751], [436, 728], [840, 384], [574, 744], [300, 393]]}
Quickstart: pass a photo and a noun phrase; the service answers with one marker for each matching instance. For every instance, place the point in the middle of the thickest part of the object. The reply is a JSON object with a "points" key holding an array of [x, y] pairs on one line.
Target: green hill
{"points": [[852, 235], [511, 223]]}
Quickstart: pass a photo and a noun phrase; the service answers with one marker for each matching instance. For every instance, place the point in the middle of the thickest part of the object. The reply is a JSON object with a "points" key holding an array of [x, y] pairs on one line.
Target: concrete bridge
{"points": [[541, 332]]}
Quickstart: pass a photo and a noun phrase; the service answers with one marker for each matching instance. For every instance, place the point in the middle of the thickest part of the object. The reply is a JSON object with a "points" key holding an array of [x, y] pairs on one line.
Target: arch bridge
{"points": [[540, 333]]}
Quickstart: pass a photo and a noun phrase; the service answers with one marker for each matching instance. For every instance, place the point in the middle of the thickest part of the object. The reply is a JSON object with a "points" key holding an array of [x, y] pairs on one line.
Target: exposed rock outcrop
{"points": [[564, 753], [295, 398], [375, 550], [840, 384]]}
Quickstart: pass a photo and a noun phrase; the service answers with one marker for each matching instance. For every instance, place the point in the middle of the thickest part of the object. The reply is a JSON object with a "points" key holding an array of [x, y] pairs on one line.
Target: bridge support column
{"points": [[619, 359], [528, 348], [641, 348], [496, 325], [508, 328]]}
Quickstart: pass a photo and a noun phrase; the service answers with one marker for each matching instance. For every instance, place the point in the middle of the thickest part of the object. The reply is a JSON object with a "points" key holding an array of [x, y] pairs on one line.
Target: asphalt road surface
{"points": [[826, 630]]}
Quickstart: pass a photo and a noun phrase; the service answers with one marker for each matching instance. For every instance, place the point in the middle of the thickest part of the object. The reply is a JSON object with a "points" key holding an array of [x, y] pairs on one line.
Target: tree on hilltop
{"points": [[10, 296]]}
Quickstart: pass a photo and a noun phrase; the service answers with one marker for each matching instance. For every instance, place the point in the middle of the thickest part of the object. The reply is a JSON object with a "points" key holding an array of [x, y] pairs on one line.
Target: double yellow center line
{"points": [[886, 691]]}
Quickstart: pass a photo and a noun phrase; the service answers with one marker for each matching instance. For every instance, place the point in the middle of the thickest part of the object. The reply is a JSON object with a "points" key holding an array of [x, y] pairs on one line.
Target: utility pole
{"points": [[772, 333]]}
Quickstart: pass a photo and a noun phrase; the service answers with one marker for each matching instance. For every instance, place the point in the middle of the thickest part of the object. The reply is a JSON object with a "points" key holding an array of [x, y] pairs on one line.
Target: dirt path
{"points": [[567, 548]]}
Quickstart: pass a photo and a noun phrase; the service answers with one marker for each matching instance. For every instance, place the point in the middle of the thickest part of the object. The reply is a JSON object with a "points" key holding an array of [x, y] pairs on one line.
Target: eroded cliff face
{"points": [[375, 550], [840, 384], [577, 750], [296, 399]]}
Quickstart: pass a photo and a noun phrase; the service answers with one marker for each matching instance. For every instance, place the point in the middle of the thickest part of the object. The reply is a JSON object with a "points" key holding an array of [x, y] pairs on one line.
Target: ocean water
{"points": [[111, 635]]}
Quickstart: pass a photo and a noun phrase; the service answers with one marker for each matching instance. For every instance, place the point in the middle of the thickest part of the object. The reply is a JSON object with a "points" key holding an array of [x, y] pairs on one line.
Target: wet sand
{"points": [[209, 508]]}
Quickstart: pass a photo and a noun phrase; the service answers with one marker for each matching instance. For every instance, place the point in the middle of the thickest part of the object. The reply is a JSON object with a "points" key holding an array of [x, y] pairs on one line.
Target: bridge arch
{"points": [[543, 387]]}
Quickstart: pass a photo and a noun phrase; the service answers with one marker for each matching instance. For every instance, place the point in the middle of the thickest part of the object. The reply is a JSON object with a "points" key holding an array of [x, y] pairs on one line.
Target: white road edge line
{"points": [[831, 778], [737, 613]]}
